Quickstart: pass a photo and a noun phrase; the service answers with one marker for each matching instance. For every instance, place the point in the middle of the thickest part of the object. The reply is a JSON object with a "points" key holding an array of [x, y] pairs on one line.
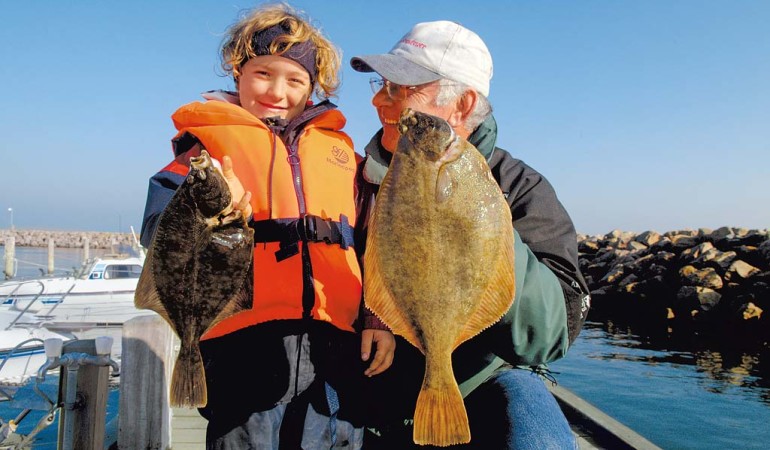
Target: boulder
{"points": [[740, 270], [750, 311], [695, 252], [704, 297], [681, 242], [764, 251], [707, 277], [648, 238]]}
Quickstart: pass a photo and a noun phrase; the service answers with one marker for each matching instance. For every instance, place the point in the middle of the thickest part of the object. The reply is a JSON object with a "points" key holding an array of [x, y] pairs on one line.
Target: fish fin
{"points": [[244, 298], [241, 301], [188, 381], [380, 301], [146, 293], [440, 417], [499, 295], [444, 184]]}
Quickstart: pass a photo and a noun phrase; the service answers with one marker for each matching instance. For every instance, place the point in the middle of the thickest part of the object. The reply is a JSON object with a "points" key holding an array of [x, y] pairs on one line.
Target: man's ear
{"points": [[464, 107]]}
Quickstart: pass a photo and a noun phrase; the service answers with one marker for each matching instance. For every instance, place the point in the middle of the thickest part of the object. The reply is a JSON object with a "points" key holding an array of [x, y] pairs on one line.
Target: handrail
{"points": [[11, 352], [13, 292], [34, 299], [56, 305]]}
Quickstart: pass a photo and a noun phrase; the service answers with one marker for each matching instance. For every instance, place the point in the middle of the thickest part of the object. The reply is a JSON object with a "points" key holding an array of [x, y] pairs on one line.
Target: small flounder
{"points": [[198, 270]]}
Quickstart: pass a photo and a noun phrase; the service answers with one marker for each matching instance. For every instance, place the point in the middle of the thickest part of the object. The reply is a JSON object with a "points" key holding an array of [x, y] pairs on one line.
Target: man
{"points": [[444, 69]]}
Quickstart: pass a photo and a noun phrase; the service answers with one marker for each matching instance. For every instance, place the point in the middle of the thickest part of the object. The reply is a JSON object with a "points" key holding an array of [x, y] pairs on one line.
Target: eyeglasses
{"points": [[395, 91]]}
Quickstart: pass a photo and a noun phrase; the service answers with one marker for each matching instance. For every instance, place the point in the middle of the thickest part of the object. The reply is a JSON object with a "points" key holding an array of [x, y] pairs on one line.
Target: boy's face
{"points": [[272, 85]]}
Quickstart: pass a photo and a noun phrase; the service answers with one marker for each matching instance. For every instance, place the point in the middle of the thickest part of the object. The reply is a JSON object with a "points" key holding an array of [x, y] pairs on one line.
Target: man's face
{"points": [[420, 98]]}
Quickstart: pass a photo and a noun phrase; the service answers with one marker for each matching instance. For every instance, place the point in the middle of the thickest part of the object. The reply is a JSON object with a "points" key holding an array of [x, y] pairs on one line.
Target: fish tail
{"points": [[440, 417], [188, 382]]}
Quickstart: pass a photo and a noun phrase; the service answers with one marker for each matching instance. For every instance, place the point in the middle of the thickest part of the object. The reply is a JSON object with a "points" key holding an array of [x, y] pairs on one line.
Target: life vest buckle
{"points": [[309, 228]]}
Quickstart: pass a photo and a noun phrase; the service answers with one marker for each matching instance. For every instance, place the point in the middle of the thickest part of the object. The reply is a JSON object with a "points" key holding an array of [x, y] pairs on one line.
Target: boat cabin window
{"points": [[122, 271]]}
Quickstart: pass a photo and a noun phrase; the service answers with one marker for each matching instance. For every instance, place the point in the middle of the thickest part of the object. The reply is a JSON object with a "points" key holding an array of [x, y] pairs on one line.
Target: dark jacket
{"points": [[551, 300]]}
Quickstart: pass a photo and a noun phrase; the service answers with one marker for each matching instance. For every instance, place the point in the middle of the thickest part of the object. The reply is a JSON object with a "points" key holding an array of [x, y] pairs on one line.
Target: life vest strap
{"points": [[310, 228]]}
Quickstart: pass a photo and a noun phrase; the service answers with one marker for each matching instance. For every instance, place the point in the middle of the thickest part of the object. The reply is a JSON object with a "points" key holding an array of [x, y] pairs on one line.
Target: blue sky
{"points": [[644, 115]]}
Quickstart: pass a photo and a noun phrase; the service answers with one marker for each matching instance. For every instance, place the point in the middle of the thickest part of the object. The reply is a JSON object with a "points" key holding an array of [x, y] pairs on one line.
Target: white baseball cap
{"points": [[431, 51]]}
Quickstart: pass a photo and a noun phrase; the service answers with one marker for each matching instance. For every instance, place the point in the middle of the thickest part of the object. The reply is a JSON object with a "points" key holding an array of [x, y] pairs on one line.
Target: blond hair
{"points": [[237, 46]]}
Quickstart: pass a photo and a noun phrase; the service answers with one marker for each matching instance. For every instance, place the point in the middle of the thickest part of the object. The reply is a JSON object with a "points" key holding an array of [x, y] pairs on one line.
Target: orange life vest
{"points": [[320, 185]]}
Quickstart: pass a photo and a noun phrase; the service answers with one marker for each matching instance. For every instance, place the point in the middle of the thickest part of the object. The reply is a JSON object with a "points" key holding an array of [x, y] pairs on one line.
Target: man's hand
{"points": [[383, 356], [239, 194]]}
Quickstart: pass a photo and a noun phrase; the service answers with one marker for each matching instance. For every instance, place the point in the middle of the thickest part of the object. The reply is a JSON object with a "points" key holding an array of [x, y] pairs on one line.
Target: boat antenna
{"points": [[137, 245]]}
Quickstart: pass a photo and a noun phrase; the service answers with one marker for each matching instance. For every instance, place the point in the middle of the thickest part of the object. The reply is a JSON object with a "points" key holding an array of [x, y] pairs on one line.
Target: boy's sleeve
{"points": [[162, 187]]}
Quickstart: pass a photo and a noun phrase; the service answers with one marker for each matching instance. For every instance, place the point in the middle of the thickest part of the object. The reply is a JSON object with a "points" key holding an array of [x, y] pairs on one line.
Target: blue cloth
{"points": [[334, 406], [531, 420]]}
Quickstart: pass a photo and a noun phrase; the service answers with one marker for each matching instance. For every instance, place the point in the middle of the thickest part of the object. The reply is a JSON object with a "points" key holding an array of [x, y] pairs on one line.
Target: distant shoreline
{"points": [[66, 239]]}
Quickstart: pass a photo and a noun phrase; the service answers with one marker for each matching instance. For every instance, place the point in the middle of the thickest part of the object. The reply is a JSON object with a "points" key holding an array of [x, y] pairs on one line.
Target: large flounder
{"points": [[438, 267], [197, 271]]}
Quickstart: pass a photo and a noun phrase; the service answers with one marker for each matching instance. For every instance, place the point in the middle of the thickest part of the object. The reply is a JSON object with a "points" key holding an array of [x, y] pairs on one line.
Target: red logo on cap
{"points": [[413, 43]]}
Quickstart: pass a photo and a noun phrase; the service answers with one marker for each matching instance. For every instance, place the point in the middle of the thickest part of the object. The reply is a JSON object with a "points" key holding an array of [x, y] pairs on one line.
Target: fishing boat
{"points": [[101, 294], [95, 301]]}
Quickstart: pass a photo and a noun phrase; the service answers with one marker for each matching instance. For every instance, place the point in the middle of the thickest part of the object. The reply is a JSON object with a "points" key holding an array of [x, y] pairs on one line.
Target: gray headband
{"points": [[303, 53]]}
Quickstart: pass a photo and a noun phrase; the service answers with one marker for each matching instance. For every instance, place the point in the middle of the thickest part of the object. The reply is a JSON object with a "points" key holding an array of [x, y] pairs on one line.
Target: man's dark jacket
{"points": [[551, 300]]}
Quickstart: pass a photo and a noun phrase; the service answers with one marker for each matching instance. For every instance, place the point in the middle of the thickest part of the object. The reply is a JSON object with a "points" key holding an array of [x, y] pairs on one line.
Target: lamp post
{"points": [[10, 210]]}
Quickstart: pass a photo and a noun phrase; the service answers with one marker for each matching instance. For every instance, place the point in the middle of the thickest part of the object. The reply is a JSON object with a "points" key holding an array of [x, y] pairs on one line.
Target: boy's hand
{"points": [[383, 356], [239, 194]]}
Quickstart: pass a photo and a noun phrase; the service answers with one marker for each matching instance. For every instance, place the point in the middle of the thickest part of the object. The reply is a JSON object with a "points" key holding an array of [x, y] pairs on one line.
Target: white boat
{"points": [[94, 302], [101, 295], [22, 354]]}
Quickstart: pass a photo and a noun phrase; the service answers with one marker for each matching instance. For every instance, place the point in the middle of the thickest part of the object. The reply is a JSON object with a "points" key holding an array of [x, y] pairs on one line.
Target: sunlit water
{"points": [[678, 393]]}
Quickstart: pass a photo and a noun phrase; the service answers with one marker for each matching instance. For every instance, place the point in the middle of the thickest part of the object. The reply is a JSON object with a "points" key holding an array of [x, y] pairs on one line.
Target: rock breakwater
{"points": [[67, 239], [707, 279]]}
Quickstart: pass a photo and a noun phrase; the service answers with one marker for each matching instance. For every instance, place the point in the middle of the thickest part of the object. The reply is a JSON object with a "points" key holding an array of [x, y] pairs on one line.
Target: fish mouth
{"points": [[408, 119], [415, 125], [201, 163]]}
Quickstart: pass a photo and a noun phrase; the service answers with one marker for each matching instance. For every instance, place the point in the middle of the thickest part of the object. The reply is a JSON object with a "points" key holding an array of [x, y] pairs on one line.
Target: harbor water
{"points": [[33, 262], [678, 392]]}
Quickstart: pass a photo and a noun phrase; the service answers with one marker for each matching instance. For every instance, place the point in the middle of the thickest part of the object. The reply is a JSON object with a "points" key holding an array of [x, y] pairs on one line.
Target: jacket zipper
{"points": [[296, 174]]}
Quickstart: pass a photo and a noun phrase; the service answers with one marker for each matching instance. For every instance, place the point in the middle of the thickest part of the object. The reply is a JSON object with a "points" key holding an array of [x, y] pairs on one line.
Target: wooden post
{"points": [[144, 419], [92, 389], [10, 256], [86, 249], [51, 249]]}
